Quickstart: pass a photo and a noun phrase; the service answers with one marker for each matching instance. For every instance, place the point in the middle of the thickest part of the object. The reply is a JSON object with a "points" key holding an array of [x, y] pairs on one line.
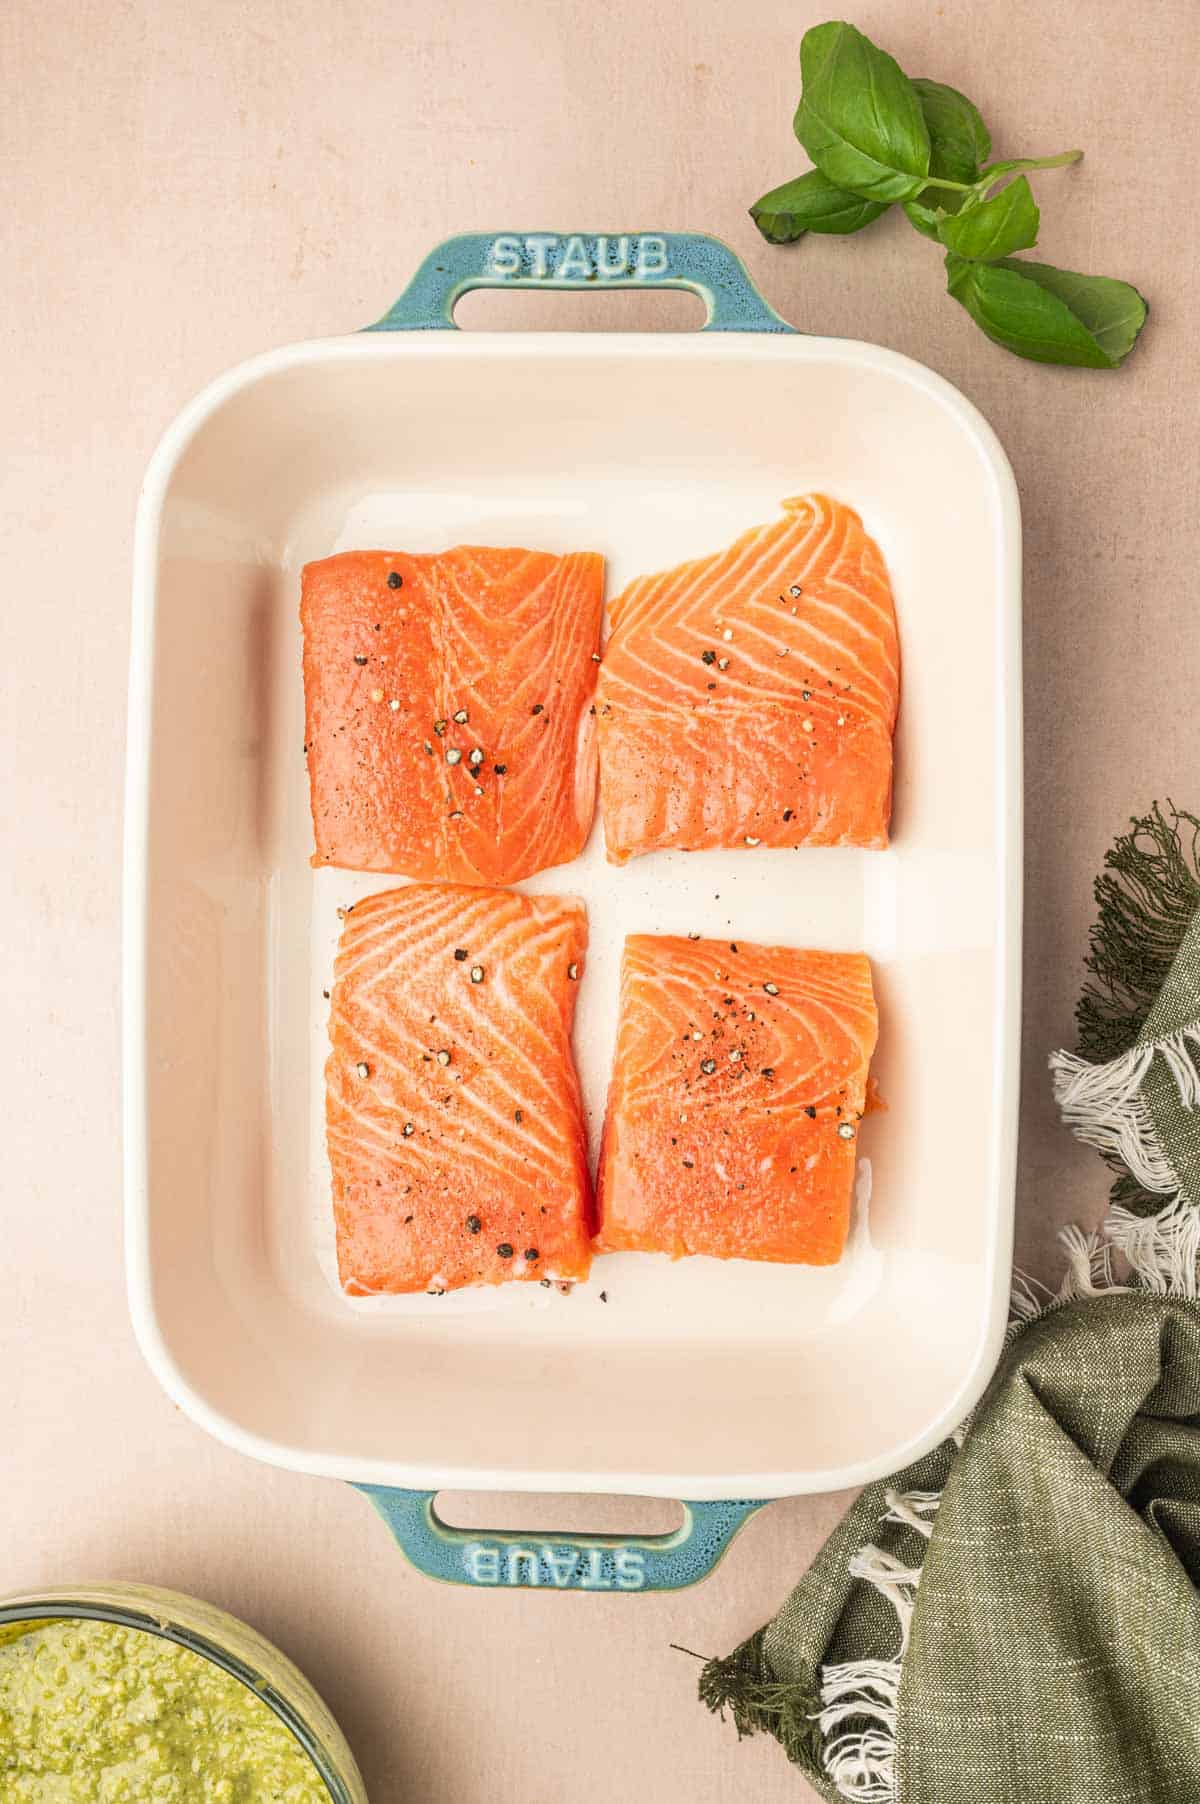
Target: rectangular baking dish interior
{"points": [[696, 1380]]}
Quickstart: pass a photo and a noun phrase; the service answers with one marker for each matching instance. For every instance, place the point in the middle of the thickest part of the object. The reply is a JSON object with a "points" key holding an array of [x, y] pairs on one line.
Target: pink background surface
{"points": [[187, 184]]}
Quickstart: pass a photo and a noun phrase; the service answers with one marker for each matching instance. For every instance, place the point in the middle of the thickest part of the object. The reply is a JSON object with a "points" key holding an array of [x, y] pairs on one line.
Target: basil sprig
{"points": [[877, 138]]}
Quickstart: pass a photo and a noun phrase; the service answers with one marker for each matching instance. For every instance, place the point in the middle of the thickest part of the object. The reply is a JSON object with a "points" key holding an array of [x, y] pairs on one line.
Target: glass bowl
{"points": [[228, 1643]]}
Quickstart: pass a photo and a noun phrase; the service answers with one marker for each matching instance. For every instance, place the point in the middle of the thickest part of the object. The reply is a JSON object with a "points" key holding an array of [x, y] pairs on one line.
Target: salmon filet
{"points": [[738, 1083], [448, 700], [453, 1117], [749, 698]]}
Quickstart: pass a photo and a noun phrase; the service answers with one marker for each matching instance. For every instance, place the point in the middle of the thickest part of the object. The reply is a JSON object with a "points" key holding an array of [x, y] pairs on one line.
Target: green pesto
{"points": [[94, 1713]]}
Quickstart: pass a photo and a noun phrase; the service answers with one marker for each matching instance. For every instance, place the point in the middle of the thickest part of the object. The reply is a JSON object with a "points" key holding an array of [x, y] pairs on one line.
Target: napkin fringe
{"points": [[1162, 1251], [760, 1703], [1147, 897], [1102, 1104], [892, 1578], [912, 1508], [861, 1762]]}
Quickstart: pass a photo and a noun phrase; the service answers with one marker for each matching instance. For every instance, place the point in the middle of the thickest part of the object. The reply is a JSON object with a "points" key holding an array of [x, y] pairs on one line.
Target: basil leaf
{"points": [[987, 230], [860, 117], [1049, 315], [927, 219], [1113, 312], [959, 144], [811, 204]]}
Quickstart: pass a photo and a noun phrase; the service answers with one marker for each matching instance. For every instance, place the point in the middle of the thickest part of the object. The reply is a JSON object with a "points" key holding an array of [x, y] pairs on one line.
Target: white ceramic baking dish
{"points": [[700, 1380]]}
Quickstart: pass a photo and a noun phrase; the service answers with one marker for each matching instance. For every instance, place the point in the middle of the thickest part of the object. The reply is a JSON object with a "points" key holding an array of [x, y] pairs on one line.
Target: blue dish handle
{"points": [[559, 1562], [583, 261]]}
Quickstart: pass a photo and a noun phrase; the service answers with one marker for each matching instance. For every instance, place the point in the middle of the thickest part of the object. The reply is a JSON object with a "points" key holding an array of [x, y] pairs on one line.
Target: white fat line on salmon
{"points": [[738, 569]]}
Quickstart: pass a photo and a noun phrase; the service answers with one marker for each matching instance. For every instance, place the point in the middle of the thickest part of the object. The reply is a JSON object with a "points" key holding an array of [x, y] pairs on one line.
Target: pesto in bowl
{"points": [[171, 1704]]}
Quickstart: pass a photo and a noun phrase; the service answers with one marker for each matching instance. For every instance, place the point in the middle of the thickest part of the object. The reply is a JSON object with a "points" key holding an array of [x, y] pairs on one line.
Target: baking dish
{"points": [[699, 1381], [231, 1645]]}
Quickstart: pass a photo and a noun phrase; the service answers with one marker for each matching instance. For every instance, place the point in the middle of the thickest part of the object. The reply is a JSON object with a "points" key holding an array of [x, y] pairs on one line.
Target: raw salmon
{"points": [[749, 699], [453, 1118], [448, 709], [738, 1083]]}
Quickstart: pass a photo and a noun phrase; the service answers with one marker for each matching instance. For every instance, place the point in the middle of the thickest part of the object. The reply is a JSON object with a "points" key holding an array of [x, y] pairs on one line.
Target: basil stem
{"points": [[1063, 160]]}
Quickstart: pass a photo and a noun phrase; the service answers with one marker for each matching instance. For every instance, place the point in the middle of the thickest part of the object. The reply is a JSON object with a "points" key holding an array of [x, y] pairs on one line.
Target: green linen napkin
{"points": [[1015, 1618]]}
